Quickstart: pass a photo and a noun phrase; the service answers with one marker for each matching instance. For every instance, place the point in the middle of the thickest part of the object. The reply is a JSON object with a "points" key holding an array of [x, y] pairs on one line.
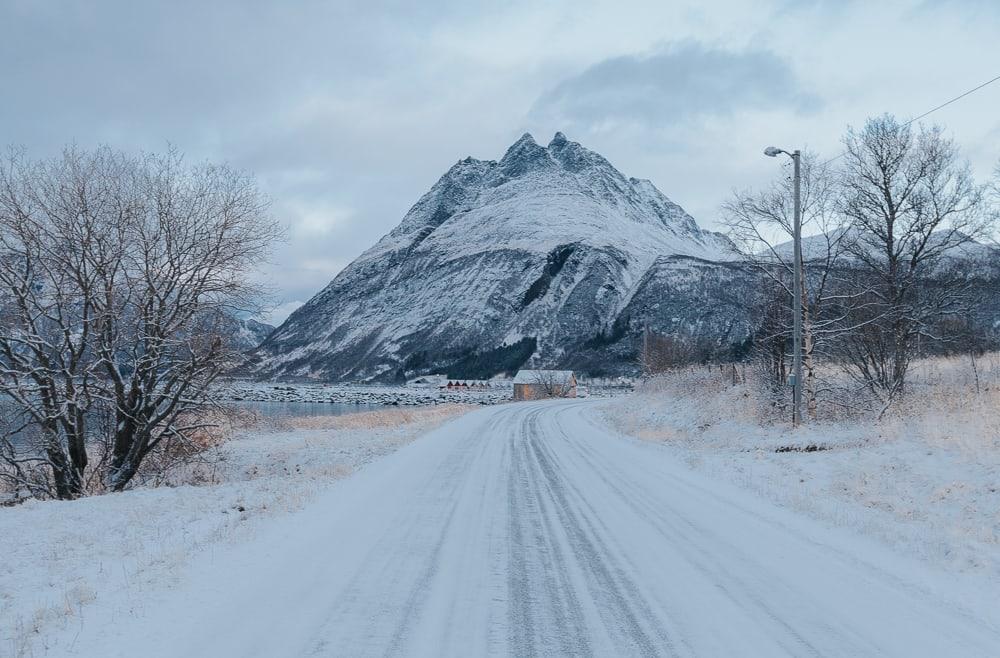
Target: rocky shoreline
{"points": [[247, 391]]}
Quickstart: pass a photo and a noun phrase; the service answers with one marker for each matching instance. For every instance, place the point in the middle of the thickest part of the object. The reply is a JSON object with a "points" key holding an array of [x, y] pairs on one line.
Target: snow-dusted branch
{"points": [[117, 275]]}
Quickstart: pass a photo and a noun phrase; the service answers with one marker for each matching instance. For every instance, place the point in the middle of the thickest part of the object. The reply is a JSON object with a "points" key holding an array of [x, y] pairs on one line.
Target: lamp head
{"points": [[772, 151]]}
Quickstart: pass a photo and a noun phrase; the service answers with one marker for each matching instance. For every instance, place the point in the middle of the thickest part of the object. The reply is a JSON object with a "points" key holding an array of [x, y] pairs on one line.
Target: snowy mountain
{"points": [[248, 333], [955, 248], [541, 255]]}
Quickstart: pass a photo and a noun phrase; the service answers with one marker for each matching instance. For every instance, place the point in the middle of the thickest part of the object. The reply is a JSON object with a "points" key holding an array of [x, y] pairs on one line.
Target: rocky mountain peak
{"points": [[538, 255], [524, 156]]}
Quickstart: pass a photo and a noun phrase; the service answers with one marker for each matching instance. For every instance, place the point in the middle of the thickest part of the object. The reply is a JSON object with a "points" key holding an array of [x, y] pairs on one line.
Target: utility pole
{"points": [[797, 288], [796, 157]]}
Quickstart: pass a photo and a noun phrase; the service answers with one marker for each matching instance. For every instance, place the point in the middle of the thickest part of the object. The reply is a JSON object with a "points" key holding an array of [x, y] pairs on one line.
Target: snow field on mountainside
{"points": [[474, 263], [925, 479], [59, 556]]}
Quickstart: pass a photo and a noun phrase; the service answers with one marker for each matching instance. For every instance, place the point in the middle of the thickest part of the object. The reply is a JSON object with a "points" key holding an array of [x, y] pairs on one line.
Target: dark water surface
{"points": [[303, 409], [273, 410]]}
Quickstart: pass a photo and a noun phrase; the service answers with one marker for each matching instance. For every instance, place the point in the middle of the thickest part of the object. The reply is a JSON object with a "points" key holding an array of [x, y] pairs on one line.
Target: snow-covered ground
{"points": [[530, 529], [925, 480], [671, 522], [56, 557]]}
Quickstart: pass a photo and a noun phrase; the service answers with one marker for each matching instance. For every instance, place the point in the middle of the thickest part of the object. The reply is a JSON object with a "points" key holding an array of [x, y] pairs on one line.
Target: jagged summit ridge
{"points": [[542, 248], [569, 178]]}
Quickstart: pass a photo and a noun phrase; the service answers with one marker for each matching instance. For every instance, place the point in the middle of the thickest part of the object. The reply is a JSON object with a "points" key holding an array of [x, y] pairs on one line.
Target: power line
{"points": [[956, 98], [929, 112]]}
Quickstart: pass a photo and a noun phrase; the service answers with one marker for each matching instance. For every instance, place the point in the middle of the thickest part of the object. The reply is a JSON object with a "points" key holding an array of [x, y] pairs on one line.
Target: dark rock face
{"points": [[549, 255]]}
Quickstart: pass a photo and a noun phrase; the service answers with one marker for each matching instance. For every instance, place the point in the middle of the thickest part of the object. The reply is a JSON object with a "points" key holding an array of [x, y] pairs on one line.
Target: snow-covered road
{"points": [[529, 529]]}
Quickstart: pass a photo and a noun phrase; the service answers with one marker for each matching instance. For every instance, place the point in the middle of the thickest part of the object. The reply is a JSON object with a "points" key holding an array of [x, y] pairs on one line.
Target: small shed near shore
{"points": [[541, 384]]}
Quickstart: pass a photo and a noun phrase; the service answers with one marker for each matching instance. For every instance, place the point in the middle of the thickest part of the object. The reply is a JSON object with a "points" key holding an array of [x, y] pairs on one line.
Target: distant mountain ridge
{"points": [[549, 255], [960, 247], [247, 333]]}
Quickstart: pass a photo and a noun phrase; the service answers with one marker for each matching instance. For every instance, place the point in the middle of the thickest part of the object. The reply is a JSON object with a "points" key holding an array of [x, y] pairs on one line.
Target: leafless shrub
{"points": [[193, 452], [388, 417], [554, 383], [664, 352], [948, 400]]}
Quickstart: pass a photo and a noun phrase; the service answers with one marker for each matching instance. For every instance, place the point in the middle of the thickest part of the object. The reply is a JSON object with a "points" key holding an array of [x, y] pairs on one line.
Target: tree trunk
{"points": [[68, 480], [808, 364], [121, 475], [126, 458]]}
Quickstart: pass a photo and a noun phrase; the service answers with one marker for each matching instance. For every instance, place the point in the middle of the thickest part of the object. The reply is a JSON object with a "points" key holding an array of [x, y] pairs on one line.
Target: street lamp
{"points": [[796, 156]]}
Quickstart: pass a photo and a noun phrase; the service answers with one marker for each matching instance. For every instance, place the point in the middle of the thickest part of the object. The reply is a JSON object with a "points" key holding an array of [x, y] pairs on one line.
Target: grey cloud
{"points": [[973, 5], [348, 111], [182, 69], [298, 93], [675, 86]]}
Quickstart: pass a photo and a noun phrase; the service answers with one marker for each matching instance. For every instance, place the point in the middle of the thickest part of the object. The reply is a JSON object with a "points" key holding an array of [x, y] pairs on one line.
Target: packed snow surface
{"points": [[924, 479], [532, 529], [58, 559]]}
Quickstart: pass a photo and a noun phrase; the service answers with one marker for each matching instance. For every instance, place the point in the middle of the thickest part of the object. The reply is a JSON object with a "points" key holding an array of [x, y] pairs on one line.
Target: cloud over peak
{"points": [[677, 85]]}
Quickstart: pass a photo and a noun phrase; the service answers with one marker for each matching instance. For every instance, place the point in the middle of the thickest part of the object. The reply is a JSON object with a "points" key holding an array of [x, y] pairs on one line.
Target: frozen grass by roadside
{"points": [[58, 556], [924, 479], [326, 447]]}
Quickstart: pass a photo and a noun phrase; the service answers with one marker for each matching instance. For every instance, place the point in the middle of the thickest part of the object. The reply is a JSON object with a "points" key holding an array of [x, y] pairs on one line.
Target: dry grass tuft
{"points": [[379, 418], [953, 400], [922, 476], [313, 447]]}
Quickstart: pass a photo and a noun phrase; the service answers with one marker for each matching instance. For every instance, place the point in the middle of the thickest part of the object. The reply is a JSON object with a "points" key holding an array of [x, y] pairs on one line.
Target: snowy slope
{"points": [[249, 333], [529, 530], [842, 242], [545, 246]]}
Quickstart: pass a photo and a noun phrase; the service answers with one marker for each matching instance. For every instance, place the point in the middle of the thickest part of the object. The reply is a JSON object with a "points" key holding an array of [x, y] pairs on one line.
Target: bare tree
{"points": [[660, 353], [771, 345], [913, 210], [760, 226], [553, 383], [116, 276]]}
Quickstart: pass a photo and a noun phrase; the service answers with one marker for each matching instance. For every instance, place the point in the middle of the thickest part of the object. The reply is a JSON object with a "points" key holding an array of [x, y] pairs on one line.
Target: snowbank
{"points": [[58, 556], [925, 479]]}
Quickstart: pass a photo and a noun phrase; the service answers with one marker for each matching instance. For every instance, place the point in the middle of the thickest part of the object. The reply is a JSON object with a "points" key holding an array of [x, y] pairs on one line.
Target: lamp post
{"points": [[796, 157]]}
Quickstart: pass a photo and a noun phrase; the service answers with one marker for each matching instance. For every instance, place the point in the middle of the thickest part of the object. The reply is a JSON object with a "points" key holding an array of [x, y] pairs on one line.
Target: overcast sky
{"points": [[348, 111]]}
